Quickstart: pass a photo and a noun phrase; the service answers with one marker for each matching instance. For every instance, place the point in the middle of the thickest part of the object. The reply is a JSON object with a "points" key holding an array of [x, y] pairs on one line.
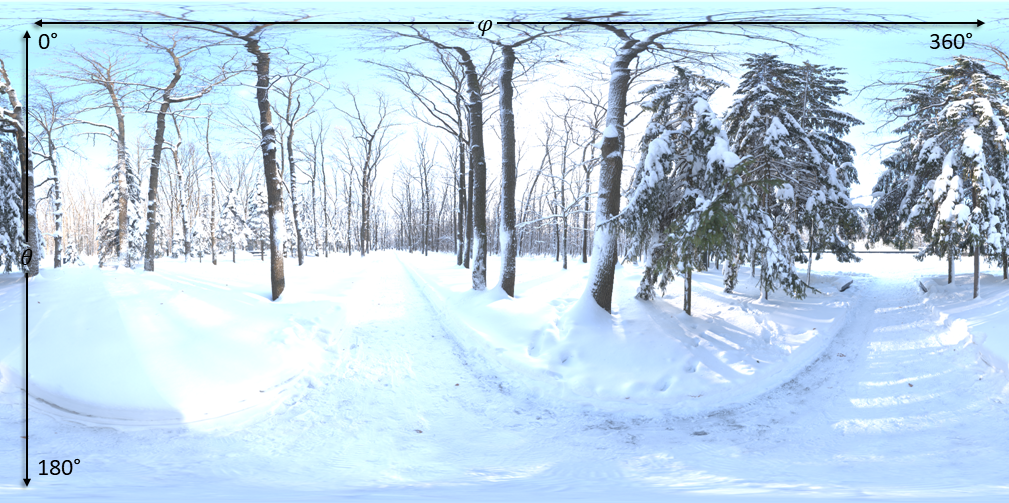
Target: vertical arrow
{"points": [[25, 116]]}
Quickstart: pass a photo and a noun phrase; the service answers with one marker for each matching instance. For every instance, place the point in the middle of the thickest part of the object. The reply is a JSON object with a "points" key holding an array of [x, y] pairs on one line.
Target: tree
{"points": [[12, 234], [478, 165], [13, 121], [268, 143], [52, 115], [828, 213], [958, 155], [762, 128], [363, 152], [112, 242], [258, 224], [687, 198], [509, 244], [297, 82], [177, 48]]}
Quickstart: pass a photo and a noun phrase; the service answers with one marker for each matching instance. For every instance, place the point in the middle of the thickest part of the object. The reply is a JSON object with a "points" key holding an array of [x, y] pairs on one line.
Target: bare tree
{"points": [[443, 103], [106, 76], [52, 115], [364, 150], [296, 83], [178, 48]]}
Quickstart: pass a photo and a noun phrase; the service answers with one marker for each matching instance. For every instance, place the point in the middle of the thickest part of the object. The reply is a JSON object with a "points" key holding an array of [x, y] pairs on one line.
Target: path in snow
{"points": [[846, 426]]}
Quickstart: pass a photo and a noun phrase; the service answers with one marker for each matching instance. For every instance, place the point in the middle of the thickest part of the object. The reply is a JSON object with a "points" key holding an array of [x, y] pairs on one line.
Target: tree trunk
{"points": [[585, 223], [950, 272], [269, 147], [1005, 266], [478, 170], [508, 172], [124, 201], [182, 203], [977, 269], [294, 195], [213, 201], [460, 238], [687, 286], [604, 241], [468, 257], [809, 269]]}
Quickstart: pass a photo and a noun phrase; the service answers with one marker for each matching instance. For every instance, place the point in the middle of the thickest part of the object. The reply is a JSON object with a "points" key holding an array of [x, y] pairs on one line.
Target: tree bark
{"points": [[950, 272], [478, 171], [687, 287], [604, 241], [213, 201], [273, 182], [508, 172], [159, 140], [294, 194], [460, 236]]}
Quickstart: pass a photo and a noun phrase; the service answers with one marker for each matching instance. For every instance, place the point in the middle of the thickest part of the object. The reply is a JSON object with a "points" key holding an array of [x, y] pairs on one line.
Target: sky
{"points": [[866, 54]]}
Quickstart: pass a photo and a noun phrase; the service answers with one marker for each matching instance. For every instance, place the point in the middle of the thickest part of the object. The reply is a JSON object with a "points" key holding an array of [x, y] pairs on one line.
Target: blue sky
{"points": [[867, 55]]}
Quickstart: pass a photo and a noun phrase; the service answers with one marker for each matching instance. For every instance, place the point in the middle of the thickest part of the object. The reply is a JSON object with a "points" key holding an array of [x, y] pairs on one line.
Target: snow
{"points": [[611, 131], [887, 401], [652, 352], [981, 321], [168, 347]]}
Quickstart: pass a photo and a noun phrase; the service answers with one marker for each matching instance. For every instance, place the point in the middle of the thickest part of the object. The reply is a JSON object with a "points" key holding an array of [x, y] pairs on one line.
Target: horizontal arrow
{"points": [[977, 23], [41, 22], [670, 23]]}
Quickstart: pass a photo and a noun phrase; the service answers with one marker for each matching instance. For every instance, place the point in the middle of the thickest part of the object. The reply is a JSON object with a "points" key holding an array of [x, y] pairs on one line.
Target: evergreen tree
{"points": [[959, 156], [685, 194], [832, 221], [258, 224], [109, 245], [12, 233], [898, 187], [233, 231], [762, 129]]}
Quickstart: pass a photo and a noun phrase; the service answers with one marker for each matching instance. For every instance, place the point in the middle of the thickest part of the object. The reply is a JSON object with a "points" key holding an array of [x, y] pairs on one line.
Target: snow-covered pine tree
{"points": [[12, 232], [965, 204], [108, 230], [898, 187], [832, 221], [762, 129], [683, 201], [258, 224], [233, 231], [201, 237]]}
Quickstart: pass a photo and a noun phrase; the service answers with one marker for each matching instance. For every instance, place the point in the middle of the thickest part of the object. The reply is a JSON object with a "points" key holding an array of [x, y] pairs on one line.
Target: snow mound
{"points": [[733, 348], [980, 321], [125, 347]]}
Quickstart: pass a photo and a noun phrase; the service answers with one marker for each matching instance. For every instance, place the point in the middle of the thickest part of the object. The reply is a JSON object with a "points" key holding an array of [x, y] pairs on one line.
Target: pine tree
{"points": [[962, 209], [258, 224], [898, 187], [233, 231], [828, 214], [685, 193], [109, 245], [763, 130], [12, 233]]}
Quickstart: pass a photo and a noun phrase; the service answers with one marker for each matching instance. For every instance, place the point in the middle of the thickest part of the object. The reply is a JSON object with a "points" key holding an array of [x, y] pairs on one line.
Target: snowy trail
{"points": [[384, 420], [851, 425]]}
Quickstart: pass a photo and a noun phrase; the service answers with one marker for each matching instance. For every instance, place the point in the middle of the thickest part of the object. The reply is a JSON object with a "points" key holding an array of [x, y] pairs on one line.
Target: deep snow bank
{"points": [[984, 320], [734, 347], [187, 343]]}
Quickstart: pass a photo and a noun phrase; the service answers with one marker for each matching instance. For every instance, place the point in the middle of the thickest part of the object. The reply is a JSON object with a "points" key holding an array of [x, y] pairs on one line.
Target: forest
{"points": [[403, 251]]}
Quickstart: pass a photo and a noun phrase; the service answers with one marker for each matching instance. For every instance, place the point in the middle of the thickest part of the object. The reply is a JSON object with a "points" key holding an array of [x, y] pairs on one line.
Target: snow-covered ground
{"points": [[383, 394]]}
